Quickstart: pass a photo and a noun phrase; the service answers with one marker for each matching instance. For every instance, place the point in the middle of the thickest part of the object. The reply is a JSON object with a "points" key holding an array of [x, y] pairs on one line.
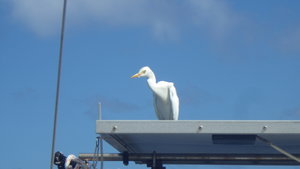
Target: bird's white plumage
{"points": [[165, 99]]}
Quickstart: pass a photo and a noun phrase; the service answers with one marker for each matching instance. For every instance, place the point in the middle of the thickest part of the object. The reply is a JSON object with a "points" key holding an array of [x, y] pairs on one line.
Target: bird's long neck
{"points": [[151, 81]]}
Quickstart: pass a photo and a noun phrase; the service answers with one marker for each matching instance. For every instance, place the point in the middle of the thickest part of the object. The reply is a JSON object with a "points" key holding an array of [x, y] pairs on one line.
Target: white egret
{"points": [[165, 99]]}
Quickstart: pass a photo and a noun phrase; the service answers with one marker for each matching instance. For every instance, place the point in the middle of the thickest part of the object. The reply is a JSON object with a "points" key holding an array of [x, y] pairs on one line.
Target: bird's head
{"points": [[144, 71]]}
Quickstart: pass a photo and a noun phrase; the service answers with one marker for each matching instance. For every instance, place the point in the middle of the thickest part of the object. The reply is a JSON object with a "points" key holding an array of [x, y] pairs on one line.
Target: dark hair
{"points": [[59, 160]]}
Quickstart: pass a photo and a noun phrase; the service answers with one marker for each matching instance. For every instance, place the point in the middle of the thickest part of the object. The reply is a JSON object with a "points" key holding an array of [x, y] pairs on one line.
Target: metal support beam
{"points": [[214, 159], [155, 163], [125, 158]]}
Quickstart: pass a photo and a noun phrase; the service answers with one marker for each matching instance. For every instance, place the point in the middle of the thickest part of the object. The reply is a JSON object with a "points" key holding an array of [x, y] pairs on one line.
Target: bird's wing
{"points": [[174, 102], [155, 104], [162, 100]]}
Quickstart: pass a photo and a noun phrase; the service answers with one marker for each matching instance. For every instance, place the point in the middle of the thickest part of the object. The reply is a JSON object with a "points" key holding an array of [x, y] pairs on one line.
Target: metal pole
{"points": [[58, 82], [100, 139], [101, 152], [99, 111]]}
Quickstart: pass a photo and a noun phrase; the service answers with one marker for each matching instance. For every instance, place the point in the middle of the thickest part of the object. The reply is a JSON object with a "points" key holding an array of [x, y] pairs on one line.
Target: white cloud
{"points": [[110, 11], [213, 15], [39, 15], [164, 18], [164, 30]]}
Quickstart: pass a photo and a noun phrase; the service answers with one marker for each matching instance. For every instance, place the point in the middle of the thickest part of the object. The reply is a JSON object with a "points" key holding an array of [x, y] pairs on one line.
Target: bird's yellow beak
{"points": [[136, 75]]}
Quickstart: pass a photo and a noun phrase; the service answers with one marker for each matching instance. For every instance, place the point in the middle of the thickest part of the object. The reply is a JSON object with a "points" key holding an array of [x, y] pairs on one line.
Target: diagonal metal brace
{"points": [[278, 149]]}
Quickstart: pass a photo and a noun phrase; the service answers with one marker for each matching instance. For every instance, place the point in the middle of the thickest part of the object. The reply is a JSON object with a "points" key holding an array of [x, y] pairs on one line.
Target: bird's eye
{"points": [[144, 71]]}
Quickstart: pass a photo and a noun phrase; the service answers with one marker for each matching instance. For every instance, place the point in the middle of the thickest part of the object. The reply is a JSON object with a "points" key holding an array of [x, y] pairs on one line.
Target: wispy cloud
{"points": [[24, 94], [109, 104], [41, 16], [213, 15], [164, 18]]}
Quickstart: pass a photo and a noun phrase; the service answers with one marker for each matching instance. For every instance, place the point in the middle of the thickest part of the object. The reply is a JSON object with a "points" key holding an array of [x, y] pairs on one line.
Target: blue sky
{"points": [[229, 60]]}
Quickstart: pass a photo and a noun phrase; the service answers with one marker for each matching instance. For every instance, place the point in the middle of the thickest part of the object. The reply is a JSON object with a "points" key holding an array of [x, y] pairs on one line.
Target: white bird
{"points": [[165, 99]]}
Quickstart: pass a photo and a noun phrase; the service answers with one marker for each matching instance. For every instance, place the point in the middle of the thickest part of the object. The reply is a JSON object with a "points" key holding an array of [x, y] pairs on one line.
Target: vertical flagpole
{"points": [[58, 82]]}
